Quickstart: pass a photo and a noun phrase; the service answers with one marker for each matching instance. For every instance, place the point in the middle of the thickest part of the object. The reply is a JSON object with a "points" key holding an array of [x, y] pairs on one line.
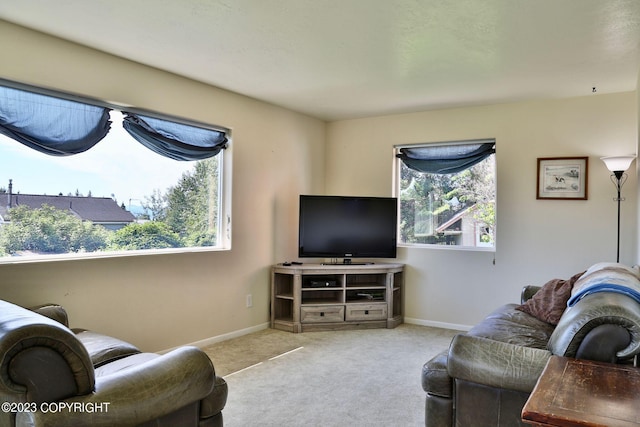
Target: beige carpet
{"points": [[335, 378], [239, 353]]}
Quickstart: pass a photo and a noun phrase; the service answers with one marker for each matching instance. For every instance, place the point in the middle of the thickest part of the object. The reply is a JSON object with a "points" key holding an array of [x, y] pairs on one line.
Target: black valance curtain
{"points": [[446, 159], [51, 125], [60, 127], [174, 140]]}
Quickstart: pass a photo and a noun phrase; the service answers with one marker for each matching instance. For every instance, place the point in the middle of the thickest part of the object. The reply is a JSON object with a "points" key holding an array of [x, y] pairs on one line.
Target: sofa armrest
{"points": [[496, 364], [137, 394], [589, 316]]}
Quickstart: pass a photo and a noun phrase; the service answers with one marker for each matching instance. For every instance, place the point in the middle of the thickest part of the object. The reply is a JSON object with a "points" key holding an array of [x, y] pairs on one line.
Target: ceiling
{"points": [[337, 59]]}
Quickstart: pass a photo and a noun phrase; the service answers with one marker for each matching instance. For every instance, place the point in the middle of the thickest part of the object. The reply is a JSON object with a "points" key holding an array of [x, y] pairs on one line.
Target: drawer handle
{"points": [[366, 312], [322, 314]]}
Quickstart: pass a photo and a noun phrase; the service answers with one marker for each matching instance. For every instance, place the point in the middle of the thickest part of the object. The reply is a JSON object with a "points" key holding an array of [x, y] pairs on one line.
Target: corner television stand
{"points": [[312, 297]]}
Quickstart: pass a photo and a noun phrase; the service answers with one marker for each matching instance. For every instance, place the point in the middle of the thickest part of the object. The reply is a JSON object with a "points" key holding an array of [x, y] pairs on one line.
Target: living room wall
{"points": [[158, 302], [637, 165], [162, 301], [537, 240]]}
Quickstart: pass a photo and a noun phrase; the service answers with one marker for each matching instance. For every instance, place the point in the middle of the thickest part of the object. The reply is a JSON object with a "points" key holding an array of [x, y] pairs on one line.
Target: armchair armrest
{"points": [[588, 317], [41, 359], [137, 394], [496, 364]]}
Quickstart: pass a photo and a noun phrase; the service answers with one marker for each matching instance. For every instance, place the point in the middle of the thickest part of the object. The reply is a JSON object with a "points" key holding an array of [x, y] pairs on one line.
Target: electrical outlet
{"points": [[249, 301]]}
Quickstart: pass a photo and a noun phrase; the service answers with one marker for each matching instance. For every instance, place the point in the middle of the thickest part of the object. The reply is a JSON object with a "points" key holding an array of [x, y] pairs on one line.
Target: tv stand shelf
{"points": [[311, 297]]}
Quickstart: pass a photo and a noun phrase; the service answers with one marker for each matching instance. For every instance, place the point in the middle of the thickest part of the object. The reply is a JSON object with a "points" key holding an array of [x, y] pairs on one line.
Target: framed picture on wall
{"points": [[562, 178]]}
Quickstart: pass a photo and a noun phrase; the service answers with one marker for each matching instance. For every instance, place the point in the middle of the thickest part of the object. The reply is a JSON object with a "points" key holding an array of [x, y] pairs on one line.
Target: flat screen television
{"points": [[347, 227]]}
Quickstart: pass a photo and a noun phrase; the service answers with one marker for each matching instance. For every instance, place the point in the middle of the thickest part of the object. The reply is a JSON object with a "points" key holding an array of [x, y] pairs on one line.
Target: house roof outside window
{"points": [[99, 210]]}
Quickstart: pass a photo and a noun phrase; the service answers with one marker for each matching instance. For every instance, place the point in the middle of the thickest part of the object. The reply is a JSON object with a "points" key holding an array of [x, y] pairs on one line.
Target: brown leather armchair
{"points": [[53, 376]]}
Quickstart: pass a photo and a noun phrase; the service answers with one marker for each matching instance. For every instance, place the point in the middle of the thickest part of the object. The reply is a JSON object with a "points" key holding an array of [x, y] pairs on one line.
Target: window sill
{"points": [[103, 255], [447, 247]]}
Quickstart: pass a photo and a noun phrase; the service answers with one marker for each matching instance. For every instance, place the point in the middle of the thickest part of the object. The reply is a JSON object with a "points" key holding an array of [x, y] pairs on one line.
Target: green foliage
{"points": [[150, 235], [186, 215], [50, 231], [192, 204], [156, 205], [478, 185], [429, 200]]}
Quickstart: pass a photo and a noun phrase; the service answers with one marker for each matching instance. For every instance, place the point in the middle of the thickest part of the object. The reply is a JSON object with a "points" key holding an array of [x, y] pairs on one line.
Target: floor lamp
{"points": [[618, 165]]}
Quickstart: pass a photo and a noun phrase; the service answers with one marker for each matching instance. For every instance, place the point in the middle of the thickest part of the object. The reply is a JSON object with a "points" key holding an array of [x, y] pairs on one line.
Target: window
{"points": [[447, 193], [127, 193]]}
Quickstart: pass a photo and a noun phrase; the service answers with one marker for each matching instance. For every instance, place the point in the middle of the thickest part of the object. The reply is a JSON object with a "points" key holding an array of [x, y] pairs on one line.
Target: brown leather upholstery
{"points": [[488, 373], [104, 349], [52, 311], [107, 382]]}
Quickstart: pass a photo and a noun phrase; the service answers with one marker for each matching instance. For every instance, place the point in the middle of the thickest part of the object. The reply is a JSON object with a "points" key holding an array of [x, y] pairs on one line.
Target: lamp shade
{"points": [[618, 163]]}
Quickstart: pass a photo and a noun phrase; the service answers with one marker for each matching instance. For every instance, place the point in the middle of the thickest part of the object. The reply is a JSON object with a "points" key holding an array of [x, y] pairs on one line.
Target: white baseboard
{"points": [[235, 334], [435, 324]]}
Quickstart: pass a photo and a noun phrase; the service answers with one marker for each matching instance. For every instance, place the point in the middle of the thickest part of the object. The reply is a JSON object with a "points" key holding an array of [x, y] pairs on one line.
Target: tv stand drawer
{"points": [[322, 314], [366, 312]]}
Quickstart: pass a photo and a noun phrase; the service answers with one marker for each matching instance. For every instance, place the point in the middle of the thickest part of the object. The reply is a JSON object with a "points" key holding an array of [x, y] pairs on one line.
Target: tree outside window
{"points": [[152, 187], [448, 209]]}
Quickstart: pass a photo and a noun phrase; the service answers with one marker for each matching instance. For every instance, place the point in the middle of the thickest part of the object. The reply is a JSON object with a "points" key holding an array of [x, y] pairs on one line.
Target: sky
{"points": [[118, 167]]}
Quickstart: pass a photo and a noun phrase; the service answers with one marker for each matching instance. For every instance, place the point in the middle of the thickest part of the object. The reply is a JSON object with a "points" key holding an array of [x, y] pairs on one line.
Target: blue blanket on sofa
{"points": [[606, 277]]}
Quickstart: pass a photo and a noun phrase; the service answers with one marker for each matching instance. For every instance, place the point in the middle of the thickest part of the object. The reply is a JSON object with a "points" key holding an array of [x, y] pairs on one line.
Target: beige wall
{"points": [[637, 163], [536, 239], [160, 302]]}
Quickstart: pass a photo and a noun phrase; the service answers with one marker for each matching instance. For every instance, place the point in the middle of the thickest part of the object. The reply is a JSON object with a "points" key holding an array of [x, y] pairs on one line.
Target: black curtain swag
{"points": [[446, 159], [60, 127], [51, 125], [174, 140]]}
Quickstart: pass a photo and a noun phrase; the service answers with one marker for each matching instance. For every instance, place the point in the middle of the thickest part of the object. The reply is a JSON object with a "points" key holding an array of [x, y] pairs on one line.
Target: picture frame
{"points": [[562, 178]]}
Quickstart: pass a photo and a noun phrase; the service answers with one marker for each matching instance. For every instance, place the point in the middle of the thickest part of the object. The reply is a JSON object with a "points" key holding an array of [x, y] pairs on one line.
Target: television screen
{"points": [[347, 227]]}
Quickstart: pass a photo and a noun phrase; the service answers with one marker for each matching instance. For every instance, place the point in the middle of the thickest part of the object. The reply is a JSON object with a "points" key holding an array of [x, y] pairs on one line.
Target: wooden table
{"points": [[572, 392]]}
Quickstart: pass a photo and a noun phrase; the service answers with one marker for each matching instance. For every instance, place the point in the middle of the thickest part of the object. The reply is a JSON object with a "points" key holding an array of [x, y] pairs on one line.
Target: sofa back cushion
{"points": [[52, 311], [550, 301], [508, 325]]}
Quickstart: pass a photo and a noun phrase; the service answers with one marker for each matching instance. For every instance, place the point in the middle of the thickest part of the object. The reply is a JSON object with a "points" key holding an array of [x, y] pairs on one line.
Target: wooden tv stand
{"points": [[312, 297]]}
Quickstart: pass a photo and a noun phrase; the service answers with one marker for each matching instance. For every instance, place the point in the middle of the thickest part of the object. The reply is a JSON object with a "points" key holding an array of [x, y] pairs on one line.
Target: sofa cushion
{"points": [[124, 363], [508, 325], [104, 349], [550, 301]]}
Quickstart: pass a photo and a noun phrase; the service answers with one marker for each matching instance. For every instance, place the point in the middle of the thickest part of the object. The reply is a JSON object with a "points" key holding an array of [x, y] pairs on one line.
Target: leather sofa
{"points": [[488, 373], [53, 376]]}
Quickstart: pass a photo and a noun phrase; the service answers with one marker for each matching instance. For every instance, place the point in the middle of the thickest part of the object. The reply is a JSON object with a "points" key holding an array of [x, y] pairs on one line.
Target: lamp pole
{"points": [[618, 165], [618, 178]]}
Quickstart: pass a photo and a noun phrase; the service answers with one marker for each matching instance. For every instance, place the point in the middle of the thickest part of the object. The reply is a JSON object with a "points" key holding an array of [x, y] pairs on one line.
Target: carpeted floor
{"points": [[335, 378], [239, 353]]}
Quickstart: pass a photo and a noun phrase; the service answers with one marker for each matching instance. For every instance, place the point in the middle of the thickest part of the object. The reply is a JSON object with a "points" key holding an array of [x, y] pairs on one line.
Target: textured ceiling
{"points": [[337, 59]]}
